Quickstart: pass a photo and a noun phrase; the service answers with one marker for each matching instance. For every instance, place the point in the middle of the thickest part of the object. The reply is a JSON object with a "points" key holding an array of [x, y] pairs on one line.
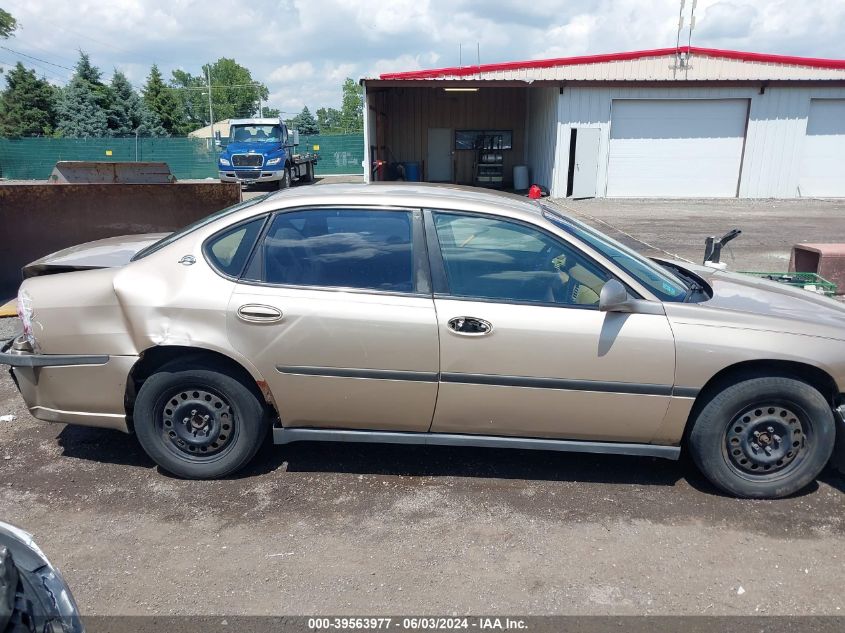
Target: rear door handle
{"points": [[256, 313], [470, 326]]}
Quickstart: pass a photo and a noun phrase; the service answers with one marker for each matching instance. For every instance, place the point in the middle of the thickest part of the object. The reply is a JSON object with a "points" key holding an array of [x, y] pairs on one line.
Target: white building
{"points": [[691, 122]]}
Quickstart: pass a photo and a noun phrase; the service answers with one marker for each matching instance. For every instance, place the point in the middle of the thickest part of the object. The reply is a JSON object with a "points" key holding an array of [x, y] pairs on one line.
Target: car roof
{"points": [[423, 195]]}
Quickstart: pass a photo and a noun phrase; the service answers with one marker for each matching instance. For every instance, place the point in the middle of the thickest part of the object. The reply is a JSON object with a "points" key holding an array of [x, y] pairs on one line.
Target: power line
{"points": [[38, 59]]}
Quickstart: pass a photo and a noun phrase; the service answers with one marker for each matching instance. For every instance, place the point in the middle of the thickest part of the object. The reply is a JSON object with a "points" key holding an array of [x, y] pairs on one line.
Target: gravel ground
{"points": [[336, 529], [769, 227]]}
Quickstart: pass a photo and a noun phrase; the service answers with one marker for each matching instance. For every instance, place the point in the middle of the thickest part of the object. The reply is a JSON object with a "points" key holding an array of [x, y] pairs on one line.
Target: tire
{"points": [[763, 438], [309, 173], [284, 183], [199, 423]]}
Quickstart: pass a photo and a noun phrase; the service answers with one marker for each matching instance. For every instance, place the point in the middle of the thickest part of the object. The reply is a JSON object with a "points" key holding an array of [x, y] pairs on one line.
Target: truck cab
{"points": [[263, 150]]}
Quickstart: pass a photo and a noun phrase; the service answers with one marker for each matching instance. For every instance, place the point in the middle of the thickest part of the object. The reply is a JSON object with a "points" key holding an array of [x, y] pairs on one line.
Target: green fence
{"points": [[34, 158]]}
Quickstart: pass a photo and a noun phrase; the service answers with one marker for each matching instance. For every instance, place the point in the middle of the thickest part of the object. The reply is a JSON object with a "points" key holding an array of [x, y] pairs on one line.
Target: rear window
{"points": [[339, 248], [165, 241], [229, 251]]}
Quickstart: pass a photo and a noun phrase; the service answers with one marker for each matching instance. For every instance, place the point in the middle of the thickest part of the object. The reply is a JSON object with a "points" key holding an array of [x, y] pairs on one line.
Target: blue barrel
{"points": [[412, 172]]}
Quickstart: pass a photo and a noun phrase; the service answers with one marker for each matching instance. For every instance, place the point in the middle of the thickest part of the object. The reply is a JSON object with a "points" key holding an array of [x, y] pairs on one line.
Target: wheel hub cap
{"points": [[197, 422], [764, 439]]}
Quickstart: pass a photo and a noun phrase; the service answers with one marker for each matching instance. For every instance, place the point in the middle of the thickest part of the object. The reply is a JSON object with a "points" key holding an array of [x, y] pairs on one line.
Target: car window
{"points": [[228, 251], [497, 259], [660, 280], [346, 248]]}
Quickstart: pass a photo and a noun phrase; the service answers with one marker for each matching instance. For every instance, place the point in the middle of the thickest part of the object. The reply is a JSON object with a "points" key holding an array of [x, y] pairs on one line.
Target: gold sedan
{"points": [[418, 314]]}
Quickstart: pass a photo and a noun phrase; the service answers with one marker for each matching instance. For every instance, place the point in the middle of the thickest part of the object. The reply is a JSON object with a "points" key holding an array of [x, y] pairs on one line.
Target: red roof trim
{"points": [[611, 57]]}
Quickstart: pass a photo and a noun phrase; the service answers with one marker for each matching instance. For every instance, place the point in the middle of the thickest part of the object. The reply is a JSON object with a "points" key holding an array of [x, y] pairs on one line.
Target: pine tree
{"points": [[163, 106], [26, 105], [305, 123], [83, 103], [124, 112], [128, 113], [80, 113]]}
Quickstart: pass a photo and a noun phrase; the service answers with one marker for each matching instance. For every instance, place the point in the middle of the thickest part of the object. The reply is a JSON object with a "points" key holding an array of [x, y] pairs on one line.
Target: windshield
{"points": [[255, 133], [152, 248], [665, 285]]}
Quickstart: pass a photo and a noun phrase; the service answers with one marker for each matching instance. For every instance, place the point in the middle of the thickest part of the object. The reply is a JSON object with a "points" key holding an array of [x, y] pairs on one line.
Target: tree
{"points": [[8, 24], [328, 120], [83, 103], [270, 113], [352, 106], [234, 93], [305, 123], [26, 105], [128, 113], [163, 105]]}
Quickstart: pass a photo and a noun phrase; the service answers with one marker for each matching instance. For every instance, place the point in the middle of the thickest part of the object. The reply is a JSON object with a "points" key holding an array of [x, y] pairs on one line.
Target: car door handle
{"points": [[470, 326], [256, 313]]}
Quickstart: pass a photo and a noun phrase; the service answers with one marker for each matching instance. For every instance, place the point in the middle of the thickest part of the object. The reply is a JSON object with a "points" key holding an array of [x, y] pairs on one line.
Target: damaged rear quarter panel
{"points": [[167, 303], [78, 313]]}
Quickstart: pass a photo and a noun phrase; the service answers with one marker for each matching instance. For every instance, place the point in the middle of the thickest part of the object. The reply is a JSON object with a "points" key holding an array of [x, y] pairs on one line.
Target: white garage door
{"points": [[676, 147], [823, 161]]}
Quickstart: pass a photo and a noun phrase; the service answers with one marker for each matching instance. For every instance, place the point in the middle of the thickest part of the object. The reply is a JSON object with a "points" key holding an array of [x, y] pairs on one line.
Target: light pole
{"points": [[210, 112]]}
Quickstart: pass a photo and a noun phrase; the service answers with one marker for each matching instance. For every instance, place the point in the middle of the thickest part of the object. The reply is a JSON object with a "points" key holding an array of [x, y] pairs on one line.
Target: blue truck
{"points": [[264, 151]]}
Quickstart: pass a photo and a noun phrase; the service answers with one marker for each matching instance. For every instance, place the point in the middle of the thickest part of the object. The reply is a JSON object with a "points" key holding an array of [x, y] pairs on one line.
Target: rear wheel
{"points": [[764, 438], [199, 423], [309, 173]]}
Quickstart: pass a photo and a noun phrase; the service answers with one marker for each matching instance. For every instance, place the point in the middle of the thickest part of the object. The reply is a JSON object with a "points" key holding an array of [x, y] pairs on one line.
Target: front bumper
{"points": [[88, 390], [252, 175]]}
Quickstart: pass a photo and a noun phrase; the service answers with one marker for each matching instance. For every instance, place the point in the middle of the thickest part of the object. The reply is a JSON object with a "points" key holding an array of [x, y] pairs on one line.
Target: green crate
{"points": [[798, 280]]}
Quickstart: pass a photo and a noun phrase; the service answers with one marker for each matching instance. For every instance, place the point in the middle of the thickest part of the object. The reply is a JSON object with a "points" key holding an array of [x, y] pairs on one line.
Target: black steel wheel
{"points": [[766, 439], [763, 437], [199, 423], [196, 422]]}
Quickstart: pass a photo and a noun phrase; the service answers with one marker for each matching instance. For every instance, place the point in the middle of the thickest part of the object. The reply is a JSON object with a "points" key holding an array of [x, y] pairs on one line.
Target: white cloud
{"points": [[304, 49], [290, 73]]}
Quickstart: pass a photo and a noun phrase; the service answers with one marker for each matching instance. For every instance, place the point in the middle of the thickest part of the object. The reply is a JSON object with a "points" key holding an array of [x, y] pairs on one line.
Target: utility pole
{"points": [[210, 112]]}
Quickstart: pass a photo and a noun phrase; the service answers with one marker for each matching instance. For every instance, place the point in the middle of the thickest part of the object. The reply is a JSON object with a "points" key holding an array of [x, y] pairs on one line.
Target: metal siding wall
{"points": [[542, 135], [776, 128]]}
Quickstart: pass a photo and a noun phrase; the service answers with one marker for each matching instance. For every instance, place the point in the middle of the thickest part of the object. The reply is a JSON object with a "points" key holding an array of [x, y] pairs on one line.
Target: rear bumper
{"points": [[259, 175], [88, 390]]}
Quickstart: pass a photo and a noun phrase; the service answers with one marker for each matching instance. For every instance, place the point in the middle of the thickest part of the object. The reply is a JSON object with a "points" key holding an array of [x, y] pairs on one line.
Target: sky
{"points": [[303, 49]]}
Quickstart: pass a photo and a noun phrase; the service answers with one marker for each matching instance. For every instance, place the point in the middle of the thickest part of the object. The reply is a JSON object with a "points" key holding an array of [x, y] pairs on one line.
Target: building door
{"points": [[439, 154], [823, 159], [676, 147], [586, 162]]}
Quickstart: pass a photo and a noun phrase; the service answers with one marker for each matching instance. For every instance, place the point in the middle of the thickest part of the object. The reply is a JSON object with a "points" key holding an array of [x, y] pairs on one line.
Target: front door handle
{"points": [[256, 313], [470, 326]]}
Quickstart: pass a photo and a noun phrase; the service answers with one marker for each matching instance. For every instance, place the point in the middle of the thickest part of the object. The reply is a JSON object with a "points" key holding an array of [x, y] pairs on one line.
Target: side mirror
{"points": [[613, 297]]}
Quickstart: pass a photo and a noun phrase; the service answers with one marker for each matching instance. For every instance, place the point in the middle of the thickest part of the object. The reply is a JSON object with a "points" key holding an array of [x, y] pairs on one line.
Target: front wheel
{"points": [[764, 438], [199, 423], [284, 183]]}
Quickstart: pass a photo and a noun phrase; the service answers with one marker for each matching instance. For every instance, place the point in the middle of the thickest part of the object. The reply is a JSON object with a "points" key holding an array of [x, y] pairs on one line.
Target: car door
{"points": [[336, 312], [525, 350]]}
